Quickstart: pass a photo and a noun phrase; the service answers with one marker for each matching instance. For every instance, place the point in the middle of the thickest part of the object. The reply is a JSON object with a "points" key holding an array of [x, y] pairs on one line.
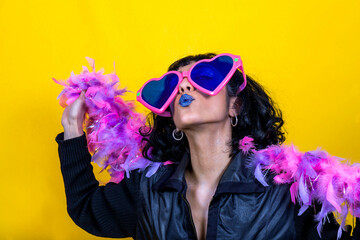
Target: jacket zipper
{"points": [[191, 218]]}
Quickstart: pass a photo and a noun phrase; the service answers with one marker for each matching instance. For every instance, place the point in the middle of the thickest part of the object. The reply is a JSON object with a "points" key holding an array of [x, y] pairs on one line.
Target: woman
{"points": [[210, 193]]}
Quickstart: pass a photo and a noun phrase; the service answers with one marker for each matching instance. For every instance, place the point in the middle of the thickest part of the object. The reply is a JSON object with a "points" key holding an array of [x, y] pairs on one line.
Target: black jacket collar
{"points": [[237, 178]]}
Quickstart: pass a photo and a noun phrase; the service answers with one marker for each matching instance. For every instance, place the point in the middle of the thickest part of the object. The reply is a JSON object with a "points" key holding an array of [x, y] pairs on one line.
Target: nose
{"points": [[185, 86]]}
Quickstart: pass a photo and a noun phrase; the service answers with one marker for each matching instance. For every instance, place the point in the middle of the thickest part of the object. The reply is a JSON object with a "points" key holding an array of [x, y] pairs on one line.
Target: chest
{"points": [[199, 199]]}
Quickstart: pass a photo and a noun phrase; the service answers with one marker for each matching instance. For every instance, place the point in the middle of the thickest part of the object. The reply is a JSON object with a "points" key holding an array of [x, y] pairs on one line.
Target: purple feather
{"points": [[342, 225], [112, 124], [303, 191], [303, 209], [319, 228], [153, 168], [315, 176], [259, 176]]}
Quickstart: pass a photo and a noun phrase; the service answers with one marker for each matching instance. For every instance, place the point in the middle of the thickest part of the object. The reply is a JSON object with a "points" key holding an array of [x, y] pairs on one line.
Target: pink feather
{"points": [[111, 123], [246, 144], [314, 176]]}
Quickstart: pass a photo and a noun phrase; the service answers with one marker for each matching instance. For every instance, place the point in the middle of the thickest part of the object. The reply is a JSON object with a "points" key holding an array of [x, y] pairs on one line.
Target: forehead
{"points": [[186, 67]]}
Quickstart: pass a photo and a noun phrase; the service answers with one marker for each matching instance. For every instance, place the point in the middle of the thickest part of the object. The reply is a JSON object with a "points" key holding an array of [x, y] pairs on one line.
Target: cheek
{"points": [[217, 109], [220, 102]]}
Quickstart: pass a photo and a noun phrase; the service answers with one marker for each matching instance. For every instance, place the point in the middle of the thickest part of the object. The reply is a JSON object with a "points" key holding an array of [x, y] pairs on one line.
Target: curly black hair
{"points": [[258, 118]]}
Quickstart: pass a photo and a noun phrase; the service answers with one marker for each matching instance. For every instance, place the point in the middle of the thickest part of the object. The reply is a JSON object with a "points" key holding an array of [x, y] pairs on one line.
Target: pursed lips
{"points": [[185, 100]]}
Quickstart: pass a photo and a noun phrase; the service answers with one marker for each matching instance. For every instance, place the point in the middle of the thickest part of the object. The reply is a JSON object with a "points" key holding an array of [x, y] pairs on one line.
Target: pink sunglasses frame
{"points": [[161, 111]]}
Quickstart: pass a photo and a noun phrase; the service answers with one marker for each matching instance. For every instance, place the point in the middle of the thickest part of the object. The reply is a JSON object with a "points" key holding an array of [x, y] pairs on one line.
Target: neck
{"points": [[209, 152]]}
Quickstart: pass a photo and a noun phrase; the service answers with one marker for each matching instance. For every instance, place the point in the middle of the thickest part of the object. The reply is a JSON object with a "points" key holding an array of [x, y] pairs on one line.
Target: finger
{"points": [[79, 102], [82, 94]]}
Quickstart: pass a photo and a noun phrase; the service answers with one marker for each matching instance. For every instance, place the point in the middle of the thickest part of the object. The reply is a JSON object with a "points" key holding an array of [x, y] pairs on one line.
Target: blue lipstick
{"points": [[185, 100]]}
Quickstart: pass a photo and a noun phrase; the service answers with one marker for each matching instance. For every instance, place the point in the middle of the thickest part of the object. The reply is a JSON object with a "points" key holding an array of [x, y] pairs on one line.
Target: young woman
{"points": [[198, 118]]}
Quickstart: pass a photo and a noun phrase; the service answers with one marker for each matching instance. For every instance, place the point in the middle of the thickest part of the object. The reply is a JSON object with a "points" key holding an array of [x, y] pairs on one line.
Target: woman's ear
{"points": [[234, 107]]}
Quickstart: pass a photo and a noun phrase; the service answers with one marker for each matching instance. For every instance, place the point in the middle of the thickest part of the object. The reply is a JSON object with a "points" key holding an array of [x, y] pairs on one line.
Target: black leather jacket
{"points": [[240, 209], [156, 207]]}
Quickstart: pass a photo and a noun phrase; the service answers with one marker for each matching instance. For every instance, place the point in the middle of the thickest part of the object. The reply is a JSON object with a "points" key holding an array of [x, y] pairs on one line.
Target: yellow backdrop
{"points": [[306, 53]]}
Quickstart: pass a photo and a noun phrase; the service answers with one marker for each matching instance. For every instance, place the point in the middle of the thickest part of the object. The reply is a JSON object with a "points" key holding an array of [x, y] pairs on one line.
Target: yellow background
{"points": [[306, 53]]}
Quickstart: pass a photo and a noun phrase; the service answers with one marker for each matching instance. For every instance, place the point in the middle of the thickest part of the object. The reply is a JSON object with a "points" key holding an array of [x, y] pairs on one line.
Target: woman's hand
{"points": [[73, 118]]}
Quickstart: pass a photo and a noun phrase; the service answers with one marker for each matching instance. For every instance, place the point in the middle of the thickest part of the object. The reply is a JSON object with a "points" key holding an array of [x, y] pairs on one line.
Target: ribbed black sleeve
{"points": [[106, 211]]}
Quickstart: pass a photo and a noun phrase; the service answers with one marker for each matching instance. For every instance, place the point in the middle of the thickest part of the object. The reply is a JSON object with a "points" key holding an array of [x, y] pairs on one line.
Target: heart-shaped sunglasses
{"points": [[208, 76]]}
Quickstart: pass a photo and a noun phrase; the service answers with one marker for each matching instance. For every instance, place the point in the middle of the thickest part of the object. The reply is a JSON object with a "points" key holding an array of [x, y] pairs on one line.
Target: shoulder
{"points": [[151, 175]]}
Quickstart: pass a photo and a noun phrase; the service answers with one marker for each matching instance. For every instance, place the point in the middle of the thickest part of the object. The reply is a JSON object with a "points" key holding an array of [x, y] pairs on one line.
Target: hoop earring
{"points": [[236, 121], [175, 132]]}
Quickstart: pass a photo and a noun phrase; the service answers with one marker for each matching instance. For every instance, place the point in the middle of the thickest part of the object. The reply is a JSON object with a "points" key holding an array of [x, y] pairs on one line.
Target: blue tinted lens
{"points": [[156, 93], [209, 75]]}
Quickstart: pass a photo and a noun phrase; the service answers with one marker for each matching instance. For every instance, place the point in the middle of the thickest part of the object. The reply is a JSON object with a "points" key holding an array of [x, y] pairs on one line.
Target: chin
{"points": [[187, 120]]}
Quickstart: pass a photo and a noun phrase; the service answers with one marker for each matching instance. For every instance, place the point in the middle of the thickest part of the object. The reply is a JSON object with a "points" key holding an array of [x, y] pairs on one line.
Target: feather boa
{"points": [[115, 143], [111, 123], [314, 176]]}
